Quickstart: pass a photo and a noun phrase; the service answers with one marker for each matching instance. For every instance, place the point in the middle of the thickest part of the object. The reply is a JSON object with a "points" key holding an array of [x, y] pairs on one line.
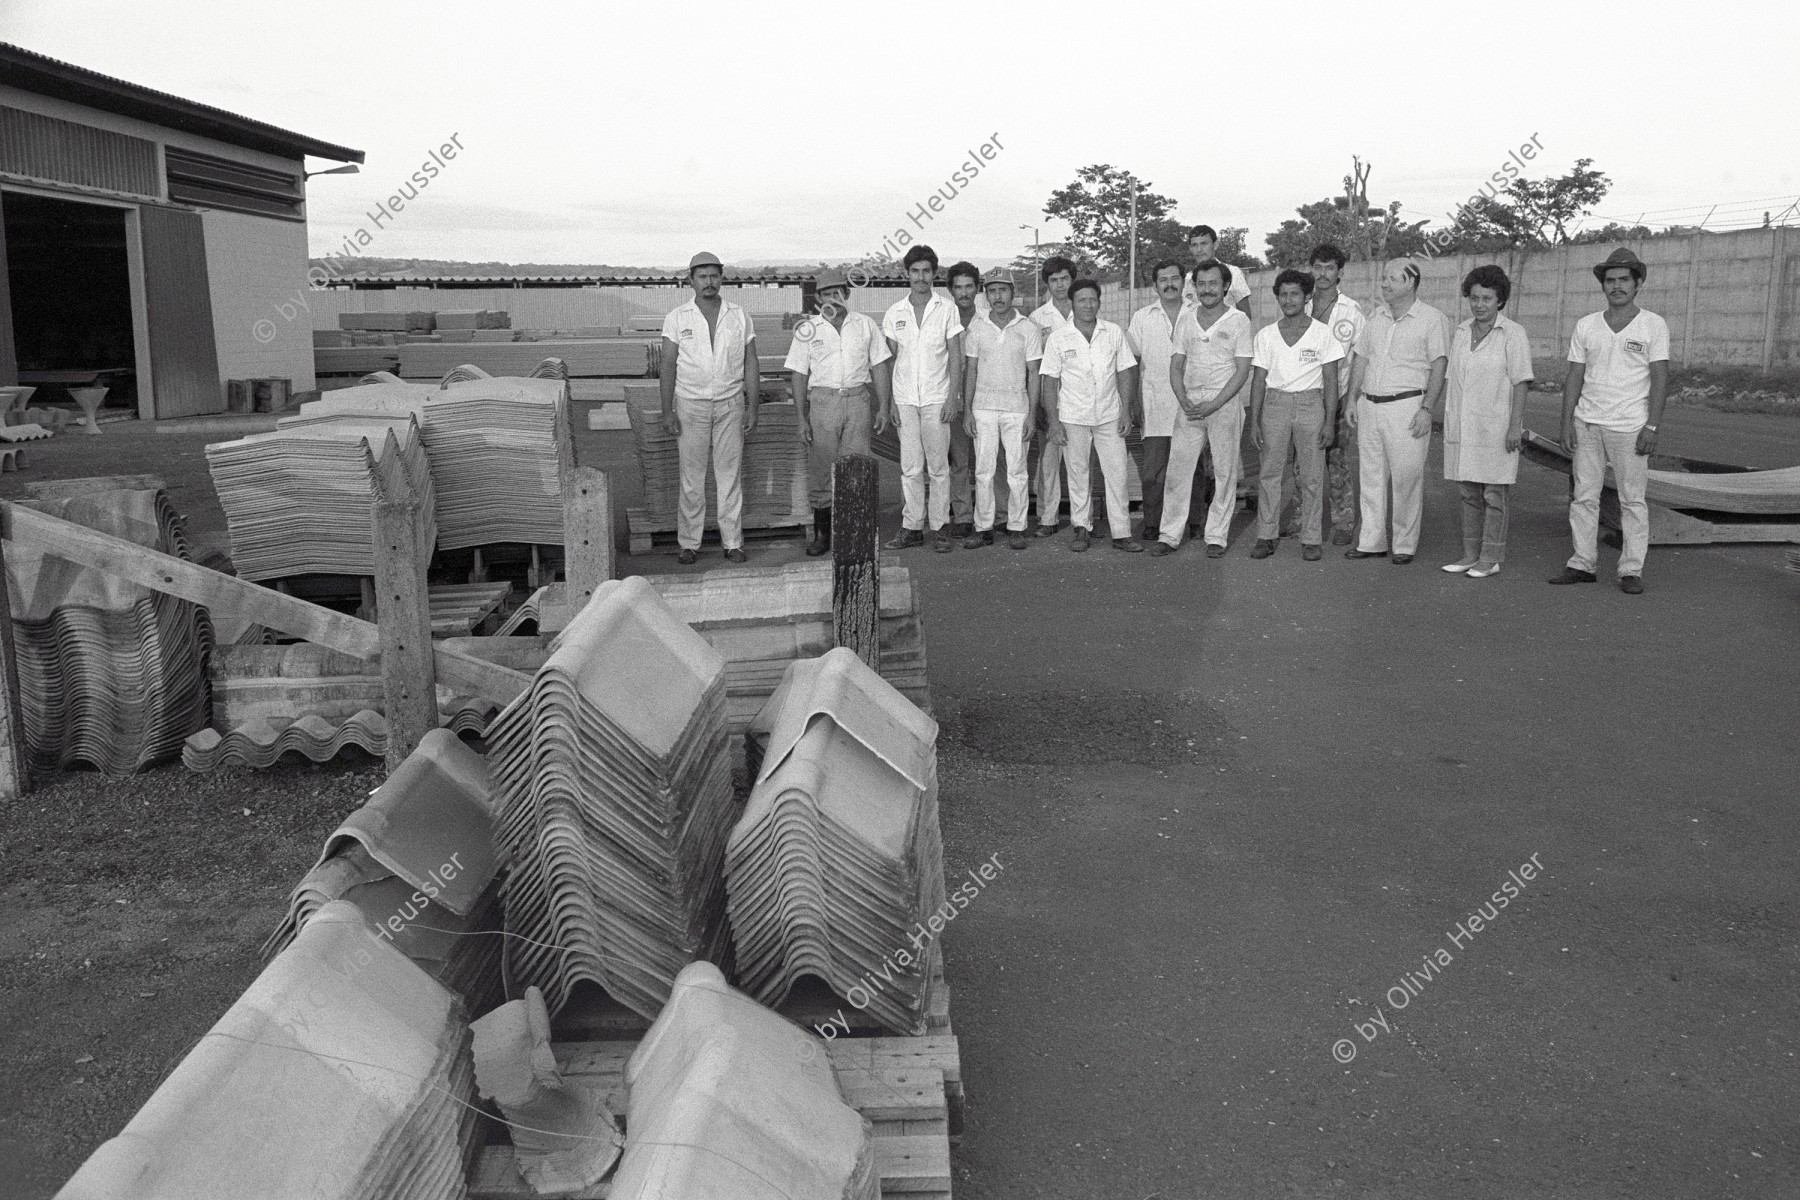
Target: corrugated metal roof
{"points": [[30, 71]]}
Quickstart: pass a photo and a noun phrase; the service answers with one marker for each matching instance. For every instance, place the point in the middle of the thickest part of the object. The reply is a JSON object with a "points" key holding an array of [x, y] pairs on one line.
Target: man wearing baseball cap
{"points": [[709, 398], [1612, 401], [839, 362], [1000, 389]]}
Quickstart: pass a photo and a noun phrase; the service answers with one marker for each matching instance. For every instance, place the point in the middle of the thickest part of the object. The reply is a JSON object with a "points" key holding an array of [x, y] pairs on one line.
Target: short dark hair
{"points": [[1079, 284], [1326, 252], [1203, 231], [1295, 276], [1489, 276], [963, 268], [918, 254], [1411, 271], [1162, 263], [1055, 263], [1212, 264]]}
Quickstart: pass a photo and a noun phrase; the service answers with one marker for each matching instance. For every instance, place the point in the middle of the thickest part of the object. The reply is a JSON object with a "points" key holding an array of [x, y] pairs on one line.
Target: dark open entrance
{"points": [[70, 285]]}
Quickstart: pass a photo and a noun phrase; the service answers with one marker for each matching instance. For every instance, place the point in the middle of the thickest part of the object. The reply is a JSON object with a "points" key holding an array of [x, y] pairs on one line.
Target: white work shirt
{"points": [[1088, 392], [1152, 337], [1046, 317], [1237, 289], [1400, 351], [922, 363], [1615, 391], [1001, 355], [1345, 321], [834, 358], [709, 365], [1212, 354], [1301, 366]]}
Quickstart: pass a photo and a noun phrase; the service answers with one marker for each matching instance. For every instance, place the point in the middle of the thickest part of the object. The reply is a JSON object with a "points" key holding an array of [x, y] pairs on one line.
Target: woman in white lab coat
{"points": [[1484, 417]]}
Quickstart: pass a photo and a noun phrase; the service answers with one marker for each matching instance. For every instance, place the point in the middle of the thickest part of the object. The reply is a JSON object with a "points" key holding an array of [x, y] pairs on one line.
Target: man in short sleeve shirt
{"points": [[1152, 334], [1613, 399], [1344, 317], [709, 396], [839, 363], [1058, 275], [1209, 373], [1088, 364], [925, 336], [1203, 242], [1001, 393], [1397, 380]]}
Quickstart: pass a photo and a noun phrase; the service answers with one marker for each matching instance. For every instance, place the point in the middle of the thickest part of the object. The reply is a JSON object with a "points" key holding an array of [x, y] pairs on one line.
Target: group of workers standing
{"points": [[1339, 403]]}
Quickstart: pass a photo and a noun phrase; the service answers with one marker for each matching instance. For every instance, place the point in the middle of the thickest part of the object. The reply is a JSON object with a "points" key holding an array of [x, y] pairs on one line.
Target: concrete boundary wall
{"points": [[538, 308]]}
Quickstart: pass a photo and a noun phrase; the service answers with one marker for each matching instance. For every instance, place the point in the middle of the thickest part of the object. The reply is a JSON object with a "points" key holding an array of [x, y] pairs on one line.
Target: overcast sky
{"points": [[637, 133]]}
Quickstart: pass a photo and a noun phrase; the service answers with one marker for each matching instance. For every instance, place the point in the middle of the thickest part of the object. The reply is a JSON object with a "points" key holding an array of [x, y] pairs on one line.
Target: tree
{"points": [[1160, 238], [1372, 233], [1026, 266], [1546, 207], [1612, 231], [1097, 208]]}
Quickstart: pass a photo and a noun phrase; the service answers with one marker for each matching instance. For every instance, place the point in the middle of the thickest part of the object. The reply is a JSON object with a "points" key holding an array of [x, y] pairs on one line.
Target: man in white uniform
{"points": [[840, 362], [709, 398], [964, 282], [1087, 392], [925, 336], [1001, 394], [1152, 334], [1613, 400], [1058, 273], [1344, 317], [1293, 402], [1203, 240], [1395, 383], [1209, 372]]}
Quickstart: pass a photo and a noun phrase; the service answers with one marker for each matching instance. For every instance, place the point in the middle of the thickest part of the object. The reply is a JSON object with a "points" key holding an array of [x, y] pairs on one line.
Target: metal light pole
{"points": [[1037, 265], [1131, 279]]}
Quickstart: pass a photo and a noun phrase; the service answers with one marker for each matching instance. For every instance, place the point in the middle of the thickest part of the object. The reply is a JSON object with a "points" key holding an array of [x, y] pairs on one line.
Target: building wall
{"points": [[255, 266], [538, 308]]}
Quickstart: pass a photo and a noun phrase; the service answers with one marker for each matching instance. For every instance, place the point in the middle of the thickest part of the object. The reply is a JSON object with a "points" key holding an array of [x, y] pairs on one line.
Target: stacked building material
{"points": [[497, 449], [387, 322], [260, 742], [597, 357], [615, 776], [300, 500], [473, 318], [343, 1072], [838, 857], [774, 478], [728, 1099], [354, 360], [110, 673], [419, 860]]}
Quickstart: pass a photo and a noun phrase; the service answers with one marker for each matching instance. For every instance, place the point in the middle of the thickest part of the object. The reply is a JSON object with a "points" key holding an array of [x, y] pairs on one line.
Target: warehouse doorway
{"points": [[68, 280]]}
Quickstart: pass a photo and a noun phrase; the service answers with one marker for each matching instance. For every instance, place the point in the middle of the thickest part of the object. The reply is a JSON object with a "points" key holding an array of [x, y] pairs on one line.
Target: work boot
{"points": [[1263, 548], [1016, 539], [1080, 544], [821, 540], [1129, 545], [1160, 548], [977, 539], [943, 543], [905, 539], [1571, 575]]}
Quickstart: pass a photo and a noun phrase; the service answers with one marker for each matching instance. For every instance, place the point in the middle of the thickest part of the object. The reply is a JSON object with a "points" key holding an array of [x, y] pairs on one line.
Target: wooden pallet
{"points": [[655, 534], [900, 1084], [458, 608]]}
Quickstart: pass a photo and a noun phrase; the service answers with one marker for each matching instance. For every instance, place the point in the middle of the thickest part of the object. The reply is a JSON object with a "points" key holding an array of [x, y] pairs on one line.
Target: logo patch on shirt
{"points": [[1309, 357], [1344, 330], [900, 323], [687, 333], [1635, 347]]}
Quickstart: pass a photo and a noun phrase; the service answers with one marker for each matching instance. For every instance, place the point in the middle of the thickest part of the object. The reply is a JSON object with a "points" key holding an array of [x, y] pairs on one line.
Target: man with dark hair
{"points": [[1000, 392], [1087, 383], [710, 394], [926, 340], [838, 361], [964, 279], [1613, 400], [1203, 242], [1293, 401], [1344, 317], [1152, 334], [1395, 382], [1058, 274], [1209, 373]]}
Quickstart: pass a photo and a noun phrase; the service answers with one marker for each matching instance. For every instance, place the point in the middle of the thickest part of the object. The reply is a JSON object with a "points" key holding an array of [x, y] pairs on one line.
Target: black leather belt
{"points": [[1394, 397]]}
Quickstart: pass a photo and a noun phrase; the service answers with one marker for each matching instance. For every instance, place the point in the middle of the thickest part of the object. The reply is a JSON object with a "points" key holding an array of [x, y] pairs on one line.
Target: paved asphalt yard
{"points": [[1238, 805]]}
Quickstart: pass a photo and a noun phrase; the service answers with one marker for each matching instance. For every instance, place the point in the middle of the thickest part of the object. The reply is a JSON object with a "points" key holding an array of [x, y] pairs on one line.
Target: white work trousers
{"points": [[995, 431], [714, 427], [1085, 441], [1224, 429], [1388, 454], [924, 454]]}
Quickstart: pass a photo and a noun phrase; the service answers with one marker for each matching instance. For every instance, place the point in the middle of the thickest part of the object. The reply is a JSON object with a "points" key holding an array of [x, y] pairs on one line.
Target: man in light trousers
{"points": [[1612, 402], [1209, 374], [1395, 384], [1086, 379], [709, 377], [839, 362], [1000, 392], [925, 336]]}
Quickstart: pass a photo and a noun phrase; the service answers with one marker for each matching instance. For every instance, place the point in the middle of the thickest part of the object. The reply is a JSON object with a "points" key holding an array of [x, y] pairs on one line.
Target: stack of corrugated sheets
{"points": [[615, 776], [301, 500], [342, 1073], [586, 358], [773, 474], [110, 673], [419, 860], [838, 857], [496, 450], [729, 1100], [473, 318], [387, 322]]}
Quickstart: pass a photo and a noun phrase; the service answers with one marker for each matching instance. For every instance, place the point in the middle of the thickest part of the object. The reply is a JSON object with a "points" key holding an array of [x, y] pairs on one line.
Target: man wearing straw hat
{"points": [[839, 362], [709, 398], [1612, 400]]}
